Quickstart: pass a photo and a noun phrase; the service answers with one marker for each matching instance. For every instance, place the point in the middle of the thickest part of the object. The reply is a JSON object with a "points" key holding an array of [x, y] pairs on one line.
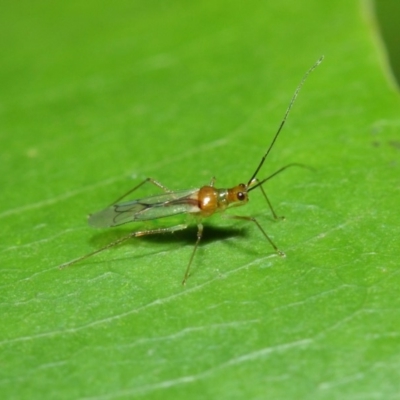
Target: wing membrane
{"points": [[160, 206]]}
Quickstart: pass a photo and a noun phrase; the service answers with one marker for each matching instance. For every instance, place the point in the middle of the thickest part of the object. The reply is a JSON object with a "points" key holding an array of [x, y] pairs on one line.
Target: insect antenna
{"points": [[283, 122], [259, 183]]}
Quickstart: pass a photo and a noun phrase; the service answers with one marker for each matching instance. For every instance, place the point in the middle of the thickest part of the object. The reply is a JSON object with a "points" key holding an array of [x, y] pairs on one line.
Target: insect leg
{"points": [[124, 239], [252, 219], [270, 205], [255, 183], [150, 180], [199, 235]]}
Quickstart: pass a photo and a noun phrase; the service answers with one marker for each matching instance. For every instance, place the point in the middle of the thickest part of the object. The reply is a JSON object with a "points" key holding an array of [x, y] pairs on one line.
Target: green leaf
{"points": [[97, 96]]}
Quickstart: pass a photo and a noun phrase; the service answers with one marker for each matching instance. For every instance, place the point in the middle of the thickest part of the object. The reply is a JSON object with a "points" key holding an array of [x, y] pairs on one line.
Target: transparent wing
{"points": [[163, 205]]}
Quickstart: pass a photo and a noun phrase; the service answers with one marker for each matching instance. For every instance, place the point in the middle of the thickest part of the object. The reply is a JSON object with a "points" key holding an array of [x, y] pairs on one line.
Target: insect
{"points": [[199, 203]]}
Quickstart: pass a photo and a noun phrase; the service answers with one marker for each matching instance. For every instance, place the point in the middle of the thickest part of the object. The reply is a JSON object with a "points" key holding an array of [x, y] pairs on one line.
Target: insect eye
{"points": [[241, 196]]}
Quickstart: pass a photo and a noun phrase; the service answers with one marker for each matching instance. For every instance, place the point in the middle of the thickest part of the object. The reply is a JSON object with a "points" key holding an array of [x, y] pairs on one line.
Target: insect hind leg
{"points": [[170, 229]]}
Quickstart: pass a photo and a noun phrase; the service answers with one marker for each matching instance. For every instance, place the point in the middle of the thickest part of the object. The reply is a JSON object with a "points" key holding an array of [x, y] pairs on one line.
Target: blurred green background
{"points": [[97, 96], [388, 18]]}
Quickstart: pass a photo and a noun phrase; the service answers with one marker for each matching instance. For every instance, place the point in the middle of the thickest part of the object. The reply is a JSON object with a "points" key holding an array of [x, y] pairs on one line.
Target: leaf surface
{"points": [[98, 96]]}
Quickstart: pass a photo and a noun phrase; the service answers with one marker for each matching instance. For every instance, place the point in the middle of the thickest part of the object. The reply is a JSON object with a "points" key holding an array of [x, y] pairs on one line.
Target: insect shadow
{"points": [[183, 238]]}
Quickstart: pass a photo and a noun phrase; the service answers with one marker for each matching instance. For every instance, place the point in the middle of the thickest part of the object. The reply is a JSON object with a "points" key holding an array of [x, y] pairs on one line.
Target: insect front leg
{"points": [[252, 219], [254, 182], [270, 204]]}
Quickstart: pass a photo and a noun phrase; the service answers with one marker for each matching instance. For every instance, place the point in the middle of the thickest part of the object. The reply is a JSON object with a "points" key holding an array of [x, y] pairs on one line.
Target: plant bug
{"points": [[200, 202]]}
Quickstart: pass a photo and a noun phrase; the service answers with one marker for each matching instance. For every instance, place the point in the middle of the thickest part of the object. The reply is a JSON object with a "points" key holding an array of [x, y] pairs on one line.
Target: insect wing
{"points": [[153, 207]]}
